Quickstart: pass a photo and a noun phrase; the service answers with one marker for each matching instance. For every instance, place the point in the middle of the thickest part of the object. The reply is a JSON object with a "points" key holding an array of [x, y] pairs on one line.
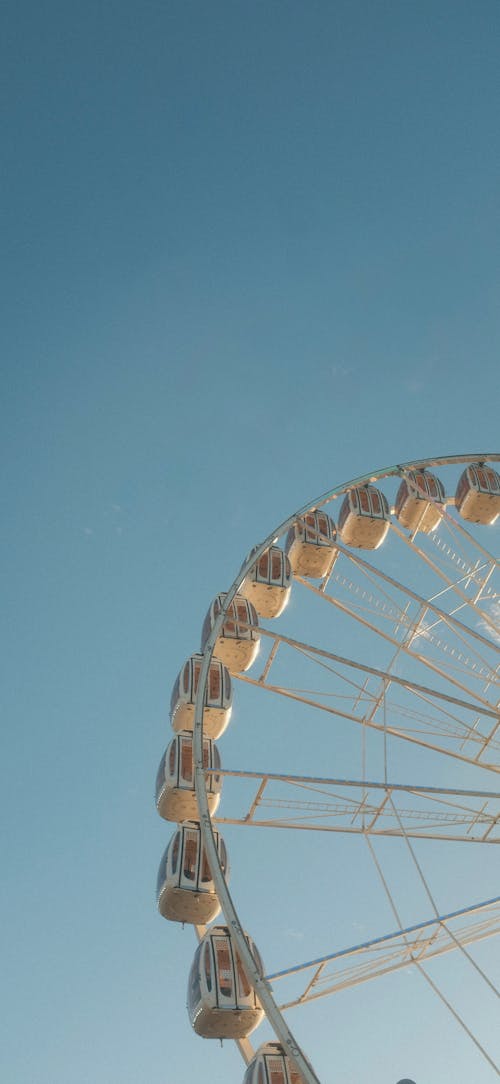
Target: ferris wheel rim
{"points": [[260, 984]]}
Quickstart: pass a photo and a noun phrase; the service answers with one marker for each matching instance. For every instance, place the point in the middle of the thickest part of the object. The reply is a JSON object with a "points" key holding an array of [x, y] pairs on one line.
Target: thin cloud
{"points": [[414, 386], [493, 611], [339, 369]]}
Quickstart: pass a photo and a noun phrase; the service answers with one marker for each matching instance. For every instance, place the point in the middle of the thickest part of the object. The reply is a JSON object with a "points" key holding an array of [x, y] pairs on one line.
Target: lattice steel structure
{"points": [[411, 661]]}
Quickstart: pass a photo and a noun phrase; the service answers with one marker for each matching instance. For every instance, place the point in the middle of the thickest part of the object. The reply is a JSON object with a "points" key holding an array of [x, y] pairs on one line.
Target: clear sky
{"points": [[250, 251]]}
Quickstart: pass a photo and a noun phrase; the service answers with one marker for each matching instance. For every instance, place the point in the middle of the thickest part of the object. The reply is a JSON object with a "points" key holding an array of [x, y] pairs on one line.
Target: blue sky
{"points": [[250, 251]]}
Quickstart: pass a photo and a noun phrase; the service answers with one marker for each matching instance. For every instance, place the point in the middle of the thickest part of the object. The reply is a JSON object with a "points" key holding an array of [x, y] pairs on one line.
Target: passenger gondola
{"points": [[185, 889], [419, 501], [218, 697], [478, 494], [364, 518], [310, 545], [268, 584], [271, 1065], [175, 792], [238, 643], [221, 1001]]}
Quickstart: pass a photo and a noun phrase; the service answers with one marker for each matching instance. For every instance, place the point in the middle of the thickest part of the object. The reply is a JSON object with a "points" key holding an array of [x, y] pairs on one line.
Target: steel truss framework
{"points": [[436, 688], [382, 955], [370, 809]]}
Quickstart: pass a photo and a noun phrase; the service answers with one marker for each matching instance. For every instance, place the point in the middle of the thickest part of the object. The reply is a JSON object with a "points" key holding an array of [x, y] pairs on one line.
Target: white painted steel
{"points": [[262, 987], [423, 941]]}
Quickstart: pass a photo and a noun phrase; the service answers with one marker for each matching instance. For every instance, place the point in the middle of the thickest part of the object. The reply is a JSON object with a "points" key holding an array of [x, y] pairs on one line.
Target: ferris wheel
{"points": [[359, 647]]}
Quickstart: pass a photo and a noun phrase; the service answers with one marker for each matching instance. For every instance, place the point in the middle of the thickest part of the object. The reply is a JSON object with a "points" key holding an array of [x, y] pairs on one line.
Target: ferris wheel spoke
{"points": [[453, 585], [420, 738], [418, 626], [246, 1050], [455, 526], [487, 742], [380, 697], [449, 618], [401, 646], [380, 956], [367, 808], [418, 964], [475, 571], [423, 667], [479, 704]]}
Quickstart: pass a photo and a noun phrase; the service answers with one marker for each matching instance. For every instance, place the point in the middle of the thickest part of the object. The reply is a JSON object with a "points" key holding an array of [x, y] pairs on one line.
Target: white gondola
{"points": [[364, 518], [478, 494], [237, 645], [185, 889], [175, 793], [221, 1002], [419, 501], [218, 697], [272, 1066], [310, 545], [268, 584]]}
